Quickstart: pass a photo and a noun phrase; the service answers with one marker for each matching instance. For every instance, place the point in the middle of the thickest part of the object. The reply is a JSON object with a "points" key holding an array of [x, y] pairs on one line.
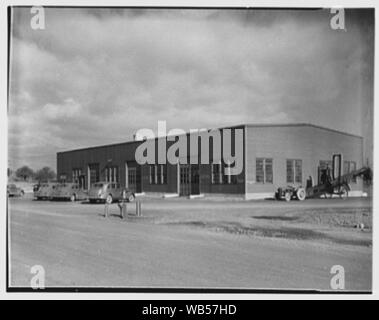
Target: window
{"points": [[219, 174], [115, 174], [152, 174], [290, 171], [163, 173], [132, 176], [184, 175], [228, 178], [294, 171], [350, 166], [111, 174], [298, 171], [269, 176], [158, 174], [94, 175], [76, 173], [346, 167], [216, 175], [264, 170], [259, 170]]}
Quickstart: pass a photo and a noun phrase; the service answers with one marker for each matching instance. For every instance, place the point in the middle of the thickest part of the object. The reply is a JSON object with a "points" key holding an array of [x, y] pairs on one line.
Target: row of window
{"points": [[76, 173], [294, 171], [263, 171], [111, 174], [219, 174], [158, 174]]}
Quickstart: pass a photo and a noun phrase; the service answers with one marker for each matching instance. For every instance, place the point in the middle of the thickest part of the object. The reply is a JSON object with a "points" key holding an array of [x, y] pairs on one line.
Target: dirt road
{"points": [[77, 247]]}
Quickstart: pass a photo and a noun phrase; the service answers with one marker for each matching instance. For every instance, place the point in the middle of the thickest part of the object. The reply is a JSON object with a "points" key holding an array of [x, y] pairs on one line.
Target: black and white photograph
{"points": [[190, 149]]}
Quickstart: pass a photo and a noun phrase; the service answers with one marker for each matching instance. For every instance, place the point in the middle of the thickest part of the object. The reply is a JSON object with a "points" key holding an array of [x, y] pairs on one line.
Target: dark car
{"points": [[69, 191], [14, 191], [109, 192]]}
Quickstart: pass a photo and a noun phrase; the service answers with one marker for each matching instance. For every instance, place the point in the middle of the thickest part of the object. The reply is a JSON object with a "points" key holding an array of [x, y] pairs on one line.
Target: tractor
{"points": [[332, 182]]}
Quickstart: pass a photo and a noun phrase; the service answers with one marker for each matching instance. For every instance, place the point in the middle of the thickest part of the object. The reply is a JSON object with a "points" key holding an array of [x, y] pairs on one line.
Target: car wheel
{"points": [[109, 199], [344, 192], [301, 194], [73, 198], [287, 196]]}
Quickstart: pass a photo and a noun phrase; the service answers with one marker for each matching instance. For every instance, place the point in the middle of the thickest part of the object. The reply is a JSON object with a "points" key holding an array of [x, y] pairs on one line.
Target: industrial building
{"points": [[273, 156]]}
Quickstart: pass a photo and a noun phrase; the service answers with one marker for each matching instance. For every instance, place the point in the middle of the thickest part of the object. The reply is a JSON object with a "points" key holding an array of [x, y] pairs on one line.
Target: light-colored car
{"points": [[69, 191], [14, 191], [44, 190], [109, 192]]}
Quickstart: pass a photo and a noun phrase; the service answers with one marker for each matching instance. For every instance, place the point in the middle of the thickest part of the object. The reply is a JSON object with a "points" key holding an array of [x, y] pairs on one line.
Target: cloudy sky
{"points": [[95, 76]]}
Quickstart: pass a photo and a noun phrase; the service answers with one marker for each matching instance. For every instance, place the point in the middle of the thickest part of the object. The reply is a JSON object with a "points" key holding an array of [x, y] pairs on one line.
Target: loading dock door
{"points": [[132, 179], [189, 179], [93, 174], [185, 187], [133, 176], [195, 179]]}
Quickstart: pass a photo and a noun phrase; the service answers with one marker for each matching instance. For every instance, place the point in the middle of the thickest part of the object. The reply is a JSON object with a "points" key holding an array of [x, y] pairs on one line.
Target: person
{"points": [[310, 182], [325, 175], [328, 177]]}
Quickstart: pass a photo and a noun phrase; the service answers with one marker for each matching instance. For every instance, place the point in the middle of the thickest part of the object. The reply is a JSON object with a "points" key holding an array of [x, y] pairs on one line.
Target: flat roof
{"points": [[303, 125], [250, 125]]}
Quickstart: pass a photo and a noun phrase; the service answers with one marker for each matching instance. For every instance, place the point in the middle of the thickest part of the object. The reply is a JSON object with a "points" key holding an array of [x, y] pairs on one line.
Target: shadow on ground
{"points": [[282, 232]]}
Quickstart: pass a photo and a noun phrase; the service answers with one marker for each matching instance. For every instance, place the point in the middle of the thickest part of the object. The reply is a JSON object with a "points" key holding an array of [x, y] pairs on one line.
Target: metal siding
{"points": [[308, 143]]}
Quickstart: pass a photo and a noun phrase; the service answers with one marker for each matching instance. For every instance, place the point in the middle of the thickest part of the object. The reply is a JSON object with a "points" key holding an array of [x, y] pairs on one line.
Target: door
{"points": [[133, 172], [138, 179], [132, 179], [185, 185], [82, 181], [189, 179], [195, 179], [93, 174]]}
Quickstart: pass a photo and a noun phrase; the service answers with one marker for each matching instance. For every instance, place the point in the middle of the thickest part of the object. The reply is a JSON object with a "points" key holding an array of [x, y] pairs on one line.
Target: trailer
{"points": [[332, 183]]}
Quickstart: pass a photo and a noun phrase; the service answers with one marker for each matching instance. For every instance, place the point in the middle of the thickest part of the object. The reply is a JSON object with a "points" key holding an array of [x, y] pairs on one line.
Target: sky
{"points": [[95, 76]]}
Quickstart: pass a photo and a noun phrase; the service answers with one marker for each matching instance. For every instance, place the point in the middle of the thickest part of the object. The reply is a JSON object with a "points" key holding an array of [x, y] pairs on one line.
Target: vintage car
{"points": [[109, 192], [44, 190], [68, 191], [14, 191]]}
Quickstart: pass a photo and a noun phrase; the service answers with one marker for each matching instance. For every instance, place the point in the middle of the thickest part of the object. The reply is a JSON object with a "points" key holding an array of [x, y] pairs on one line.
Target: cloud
{"points": [[96, 76], [68, 109]]}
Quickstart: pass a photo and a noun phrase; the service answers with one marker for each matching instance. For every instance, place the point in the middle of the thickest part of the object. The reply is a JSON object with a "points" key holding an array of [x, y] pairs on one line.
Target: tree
{"points": [[24, 173], [45, 174]]}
